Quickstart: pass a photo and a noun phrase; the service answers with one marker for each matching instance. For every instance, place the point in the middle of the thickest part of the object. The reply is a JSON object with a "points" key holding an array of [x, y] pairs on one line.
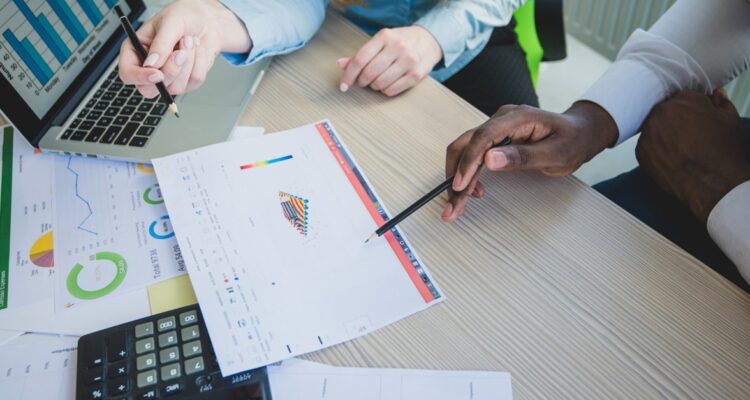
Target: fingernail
{"points": [[448, 210], [155, 77], [498, 159], [189, 42], [340, 62], [457, 181], [151, 60], [179, 59], [343, 87]]}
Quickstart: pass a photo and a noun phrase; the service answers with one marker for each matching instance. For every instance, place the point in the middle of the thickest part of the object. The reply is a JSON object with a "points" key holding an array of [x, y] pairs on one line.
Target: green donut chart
{"points": [[83, 294], [147, 195]]}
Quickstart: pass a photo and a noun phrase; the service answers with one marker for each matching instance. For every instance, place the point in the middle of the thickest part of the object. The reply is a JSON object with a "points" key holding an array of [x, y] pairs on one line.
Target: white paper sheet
{"points": [[113, 233], [273, 229], [29, 261], [40, 368], [304, 380]]}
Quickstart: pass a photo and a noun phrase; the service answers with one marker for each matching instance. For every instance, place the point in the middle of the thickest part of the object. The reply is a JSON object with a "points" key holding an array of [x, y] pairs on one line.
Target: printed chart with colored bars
{"points": [[295, 211]]}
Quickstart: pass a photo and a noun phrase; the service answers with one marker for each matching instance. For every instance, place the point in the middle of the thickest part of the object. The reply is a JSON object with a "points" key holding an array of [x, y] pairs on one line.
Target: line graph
{"points": [[86, 202]]}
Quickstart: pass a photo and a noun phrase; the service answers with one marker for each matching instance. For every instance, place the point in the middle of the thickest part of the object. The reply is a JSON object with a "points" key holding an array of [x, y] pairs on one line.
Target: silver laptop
{"points": [[60, 86]]}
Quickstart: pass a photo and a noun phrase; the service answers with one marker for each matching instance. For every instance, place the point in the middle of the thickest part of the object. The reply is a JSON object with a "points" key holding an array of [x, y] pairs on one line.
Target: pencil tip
{"points": [[173, 107], [373, 236]]}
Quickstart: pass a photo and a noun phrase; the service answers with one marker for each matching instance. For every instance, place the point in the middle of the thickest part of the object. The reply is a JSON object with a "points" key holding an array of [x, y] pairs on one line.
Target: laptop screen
{"points": [[45, 44]]}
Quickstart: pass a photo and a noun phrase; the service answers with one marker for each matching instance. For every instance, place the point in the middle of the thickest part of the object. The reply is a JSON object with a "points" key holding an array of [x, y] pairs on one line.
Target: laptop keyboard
{"points": [[117, 114]]}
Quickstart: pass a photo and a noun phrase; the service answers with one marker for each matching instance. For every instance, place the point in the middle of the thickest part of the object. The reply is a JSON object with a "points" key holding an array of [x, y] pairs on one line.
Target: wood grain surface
{"points": [[543, 278]]}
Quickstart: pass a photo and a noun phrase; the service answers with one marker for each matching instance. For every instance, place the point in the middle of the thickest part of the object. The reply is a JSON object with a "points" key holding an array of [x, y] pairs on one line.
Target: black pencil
{"points": [[421, 202], [165, 96]]}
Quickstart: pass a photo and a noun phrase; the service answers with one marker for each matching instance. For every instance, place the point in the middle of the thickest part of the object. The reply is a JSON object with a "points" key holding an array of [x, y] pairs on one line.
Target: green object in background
{"points": [[528, 38]]}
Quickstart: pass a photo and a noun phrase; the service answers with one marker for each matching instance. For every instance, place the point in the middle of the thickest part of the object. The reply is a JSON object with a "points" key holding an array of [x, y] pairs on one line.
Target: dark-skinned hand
{"points": [[555, 144], [695, 147]]}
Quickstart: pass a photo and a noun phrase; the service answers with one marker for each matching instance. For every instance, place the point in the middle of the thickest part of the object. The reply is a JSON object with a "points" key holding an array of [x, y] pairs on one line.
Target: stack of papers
{"points": [[111, 257]]}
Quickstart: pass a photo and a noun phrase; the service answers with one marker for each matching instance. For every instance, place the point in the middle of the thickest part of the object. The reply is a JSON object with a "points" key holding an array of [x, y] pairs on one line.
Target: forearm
{"points": [[463, 25], [275, 27], [674, 56]]}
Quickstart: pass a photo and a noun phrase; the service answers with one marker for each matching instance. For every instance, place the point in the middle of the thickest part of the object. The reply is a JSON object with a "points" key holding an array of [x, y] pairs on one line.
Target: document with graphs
{"points": [[112, 231], [272, 230]]}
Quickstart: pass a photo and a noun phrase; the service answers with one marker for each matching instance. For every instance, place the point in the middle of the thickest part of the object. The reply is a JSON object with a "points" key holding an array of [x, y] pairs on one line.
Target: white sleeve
{"points": [[729, 227], [696, 45]]}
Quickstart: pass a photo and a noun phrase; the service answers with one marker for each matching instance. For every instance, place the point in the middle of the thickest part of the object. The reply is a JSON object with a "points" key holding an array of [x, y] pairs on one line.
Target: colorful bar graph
{"points": [[39, 27], [72, 24], [59, 49], [28, 58], [37, 59], [91, 11]]}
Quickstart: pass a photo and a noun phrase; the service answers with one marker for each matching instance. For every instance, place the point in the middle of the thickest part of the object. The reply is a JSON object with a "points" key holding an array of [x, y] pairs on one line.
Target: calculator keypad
{"points": [[146, 361]]}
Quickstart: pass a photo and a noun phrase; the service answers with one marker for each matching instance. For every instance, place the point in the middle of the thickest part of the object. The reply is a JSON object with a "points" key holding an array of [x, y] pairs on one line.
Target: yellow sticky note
{"points": [[171, 294]]}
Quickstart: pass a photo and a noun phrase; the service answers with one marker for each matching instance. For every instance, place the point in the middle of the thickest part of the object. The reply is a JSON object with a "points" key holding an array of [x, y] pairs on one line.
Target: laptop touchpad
{"points": [[225, 85]]}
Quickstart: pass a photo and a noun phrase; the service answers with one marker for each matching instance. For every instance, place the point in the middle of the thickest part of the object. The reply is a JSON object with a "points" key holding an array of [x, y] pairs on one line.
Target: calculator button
{"points": [[117, 348], [148, 395], [191, 349], [169, 355], [93, 377], [95, 354], [143, 330], [117, 370], [194, 365], [144, 346], [172, 389], [95, 394], [188, 318], [171, 371], [167, 339], [145, 362], [118, 387], [146, 378], [190, 333], [166, 324]]}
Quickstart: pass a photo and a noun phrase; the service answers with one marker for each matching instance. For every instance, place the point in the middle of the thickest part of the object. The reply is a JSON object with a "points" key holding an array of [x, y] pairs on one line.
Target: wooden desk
{"points": [[544, 277]]}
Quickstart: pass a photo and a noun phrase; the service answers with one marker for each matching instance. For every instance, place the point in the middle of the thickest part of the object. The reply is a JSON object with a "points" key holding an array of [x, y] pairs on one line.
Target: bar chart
{"points": [[42, 35]]}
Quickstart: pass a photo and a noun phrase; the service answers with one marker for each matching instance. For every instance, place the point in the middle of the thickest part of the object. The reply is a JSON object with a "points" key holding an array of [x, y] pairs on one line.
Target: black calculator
{"points": [[168, 355]]}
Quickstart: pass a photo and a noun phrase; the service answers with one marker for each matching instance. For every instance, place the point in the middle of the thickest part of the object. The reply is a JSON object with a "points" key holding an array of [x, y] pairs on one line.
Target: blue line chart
{"points": [[86, 202]]}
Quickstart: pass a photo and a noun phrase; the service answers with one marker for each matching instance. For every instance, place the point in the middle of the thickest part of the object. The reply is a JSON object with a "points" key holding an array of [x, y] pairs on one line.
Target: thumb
{"points": [[535, 156], [168, 34]]}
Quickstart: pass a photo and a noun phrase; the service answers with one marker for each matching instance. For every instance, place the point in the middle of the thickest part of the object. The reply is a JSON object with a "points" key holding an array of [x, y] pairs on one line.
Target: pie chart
{"points": [[41, 251]]}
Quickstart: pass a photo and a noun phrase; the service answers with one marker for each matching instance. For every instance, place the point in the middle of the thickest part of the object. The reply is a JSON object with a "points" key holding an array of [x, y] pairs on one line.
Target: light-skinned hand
{"points": [[555, 144], [393, 61], [182, 41]]}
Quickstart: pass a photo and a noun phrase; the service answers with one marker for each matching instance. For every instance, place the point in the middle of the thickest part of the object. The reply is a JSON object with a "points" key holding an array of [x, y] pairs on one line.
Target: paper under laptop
{"points": [[272, 231], [30, 284]]}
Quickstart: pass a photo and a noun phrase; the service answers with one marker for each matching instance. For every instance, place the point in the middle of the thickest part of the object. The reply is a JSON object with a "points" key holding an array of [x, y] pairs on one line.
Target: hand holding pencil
{"points": [[181, 42]]}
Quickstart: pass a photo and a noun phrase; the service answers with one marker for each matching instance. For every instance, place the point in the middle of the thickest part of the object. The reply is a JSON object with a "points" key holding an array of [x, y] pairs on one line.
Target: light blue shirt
{"points": [[461, 27]]}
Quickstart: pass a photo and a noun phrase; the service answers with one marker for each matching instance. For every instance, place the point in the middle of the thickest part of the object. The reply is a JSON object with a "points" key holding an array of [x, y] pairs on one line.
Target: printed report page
{"points": [[272, 230]]}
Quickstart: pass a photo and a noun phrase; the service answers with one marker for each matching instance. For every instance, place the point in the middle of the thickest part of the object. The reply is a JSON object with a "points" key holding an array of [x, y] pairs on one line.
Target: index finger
{"points": [[484, 137], [131, 71], [360, 61]]}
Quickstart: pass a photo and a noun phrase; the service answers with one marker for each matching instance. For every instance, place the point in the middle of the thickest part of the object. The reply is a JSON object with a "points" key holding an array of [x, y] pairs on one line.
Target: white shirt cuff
{"points": [[626, 91], [729, 227]]}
